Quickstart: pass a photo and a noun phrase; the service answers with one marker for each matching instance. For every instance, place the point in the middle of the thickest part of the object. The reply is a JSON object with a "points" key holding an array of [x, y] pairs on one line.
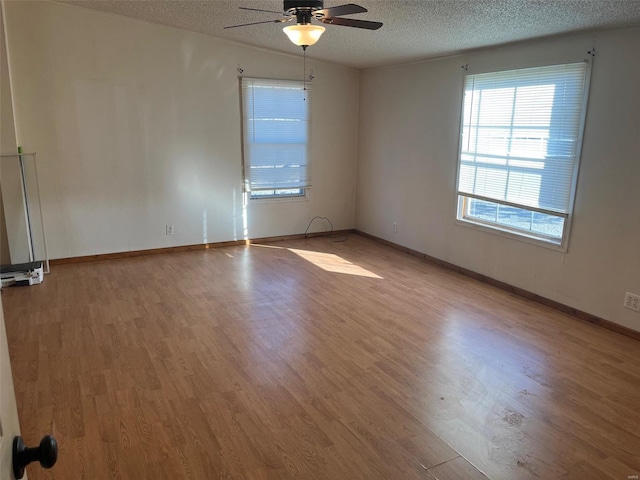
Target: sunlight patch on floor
{"points": [[333, 263], [266, 246]]}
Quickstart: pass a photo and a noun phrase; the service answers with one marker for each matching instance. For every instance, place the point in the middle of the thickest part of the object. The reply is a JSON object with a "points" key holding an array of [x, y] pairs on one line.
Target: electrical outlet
{"points": [[395, 227], [169, 230], [632, 301]]}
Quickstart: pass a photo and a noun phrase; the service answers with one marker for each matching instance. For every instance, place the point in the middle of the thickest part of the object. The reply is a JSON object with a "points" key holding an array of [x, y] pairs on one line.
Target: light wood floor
{"points": [[315, 360]]}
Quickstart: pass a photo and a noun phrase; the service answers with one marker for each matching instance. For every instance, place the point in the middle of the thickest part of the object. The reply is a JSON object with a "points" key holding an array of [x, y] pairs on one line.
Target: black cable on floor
{"points": [[337, 238]]}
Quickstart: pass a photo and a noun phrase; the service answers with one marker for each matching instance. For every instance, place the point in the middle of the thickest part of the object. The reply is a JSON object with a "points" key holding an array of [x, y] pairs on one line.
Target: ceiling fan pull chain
{"points": [[304, 72]]}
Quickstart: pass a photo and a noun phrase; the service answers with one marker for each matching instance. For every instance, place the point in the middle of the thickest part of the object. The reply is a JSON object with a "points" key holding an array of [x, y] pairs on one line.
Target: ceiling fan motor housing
{"points": [[305, 4]]}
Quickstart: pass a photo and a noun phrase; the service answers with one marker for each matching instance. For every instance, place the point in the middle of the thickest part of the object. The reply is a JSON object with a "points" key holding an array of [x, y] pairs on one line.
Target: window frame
{"points": [[279, 194], [528, 236]]}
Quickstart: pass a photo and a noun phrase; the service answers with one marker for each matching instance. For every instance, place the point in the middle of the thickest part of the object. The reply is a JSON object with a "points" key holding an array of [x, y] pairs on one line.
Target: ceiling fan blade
{"points": [[258, 10], [257, 23], [347, 9], [351, 22]]}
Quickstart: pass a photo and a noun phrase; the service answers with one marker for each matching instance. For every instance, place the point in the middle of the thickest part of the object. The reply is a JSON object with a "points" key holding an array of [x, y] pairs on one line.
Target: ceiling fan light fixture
{"points": [[303, 35]]}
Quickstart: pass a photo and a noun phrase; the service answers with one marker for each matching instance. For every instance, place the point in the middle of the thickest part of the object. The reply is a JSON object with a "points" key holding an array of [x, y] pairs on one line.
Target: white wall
{"points": [[14, 242], [138, 125], [408, 144]]}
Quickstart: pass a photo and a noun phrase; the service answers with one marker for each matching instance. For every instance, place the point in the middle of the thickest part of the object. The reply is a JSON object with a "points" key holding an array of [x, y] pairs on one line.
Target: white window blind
{"points": [[275, 134], [520, 136]]}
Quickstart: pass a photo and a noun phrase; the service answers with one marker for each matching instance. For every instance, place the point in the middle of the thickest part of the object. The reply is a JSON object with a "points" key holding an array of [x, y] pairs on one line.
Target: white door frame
{"points": [[9, 423]]}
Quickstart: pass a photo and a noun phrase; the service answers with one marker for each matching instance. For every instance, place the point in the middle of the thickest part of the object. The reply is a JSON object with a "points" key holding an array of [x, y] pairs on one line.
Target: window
{"points": [[519, 151], [275, 116]]}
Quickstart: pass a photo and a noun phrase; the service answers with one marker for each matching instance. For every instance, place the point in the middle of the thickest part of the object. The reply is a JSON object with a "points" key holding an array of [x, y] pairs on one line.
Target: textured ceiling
{"points": [[413, 29]]}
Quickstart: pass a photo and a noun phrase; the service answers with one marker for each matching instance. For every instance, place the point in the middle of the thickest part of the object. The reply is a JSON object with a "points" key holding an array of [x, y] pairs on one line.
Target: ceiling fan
{"points": [[303, 33]]}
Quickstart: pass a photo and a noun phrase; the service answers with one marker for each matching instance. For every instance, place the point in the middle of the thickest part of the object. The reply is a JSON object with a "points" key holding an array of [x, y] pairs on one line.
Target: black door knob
{"points": [[46, 453]]}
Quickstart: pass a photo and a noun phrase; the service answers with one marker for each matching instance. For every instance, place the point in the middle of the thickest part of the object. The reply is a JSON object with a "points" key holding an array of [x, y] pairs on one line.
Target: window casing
{"points": [[276, 127], [521, 132]]}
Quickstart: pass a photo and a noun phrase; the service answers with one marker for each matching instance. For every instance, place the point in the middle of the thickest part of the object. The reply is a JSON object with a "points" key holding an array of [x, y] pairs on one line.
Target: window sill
{"points": [[268, 200], [522, 237]]}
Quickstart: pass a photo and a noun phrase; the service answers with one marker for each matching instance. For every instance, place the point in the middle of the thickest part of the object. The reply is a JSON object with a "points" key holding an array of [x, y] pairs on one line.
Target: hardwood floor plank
{"points": [[313, 359], [456, 469]]}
